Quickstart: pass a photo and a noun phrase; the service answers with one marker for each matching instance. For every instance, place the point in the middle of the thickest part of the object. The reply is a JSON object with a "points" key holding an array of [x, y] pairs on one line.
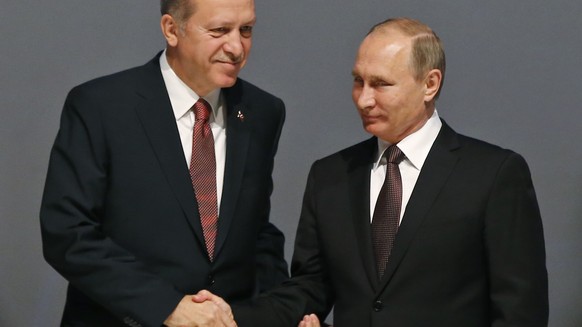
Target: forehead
{"points": [[217, 7], [383, 51]]}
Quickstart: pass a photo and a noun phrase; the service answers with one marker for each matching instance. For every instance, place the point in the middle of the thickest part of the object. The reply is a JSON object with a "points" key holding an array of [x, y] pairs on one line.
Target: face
{"points": [[209, 49], [390, 101]]}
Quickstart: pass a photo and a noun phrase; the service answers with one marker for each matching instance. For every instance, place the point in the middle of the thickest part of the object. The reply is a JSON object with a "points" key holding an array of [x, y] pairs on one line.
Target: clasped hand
{"points": [[309, 321], [203, 309], [206, 309]]}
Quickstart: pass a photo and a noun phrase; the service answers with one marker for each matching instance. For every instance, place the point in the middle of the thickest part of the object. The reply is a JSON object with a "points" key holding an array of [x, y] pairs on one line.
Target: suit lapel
{"points": [[359, 188], [237, 142], [156, 116], [436, 170]]}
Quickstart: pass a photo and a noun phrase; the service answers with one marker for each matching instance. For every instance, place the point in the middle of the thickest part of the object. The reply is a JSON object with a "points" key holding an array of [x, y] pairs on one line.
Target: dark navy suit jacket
{"points": [[469, 251], [119, 217]]}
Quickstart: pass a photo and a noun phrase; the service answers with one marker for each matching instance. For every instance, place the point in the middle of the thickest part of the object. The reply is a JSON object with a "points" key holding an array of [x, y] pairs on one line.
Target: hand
{"points": [[189, 313], [309, 321], [205, 295]]}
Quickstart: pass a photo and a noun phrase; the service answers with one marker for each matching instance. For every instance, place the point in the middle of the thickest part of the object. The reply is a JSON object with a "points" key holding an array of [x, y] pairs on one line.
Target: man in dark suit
{"points": [[121, 211], [468, 247]]}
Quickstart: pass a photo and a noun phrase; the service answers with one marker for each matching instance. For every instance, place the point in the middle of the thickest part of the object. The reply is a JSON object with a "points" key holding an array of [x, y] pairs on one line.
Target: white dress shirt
{"points": [[415, 147], [182, 99]]}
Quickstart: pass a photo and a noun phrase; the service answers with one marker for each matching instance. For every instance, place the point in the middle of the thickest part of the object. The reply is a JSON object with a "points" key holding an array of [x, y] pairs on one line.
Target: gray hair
{"points": [[180, 10]]}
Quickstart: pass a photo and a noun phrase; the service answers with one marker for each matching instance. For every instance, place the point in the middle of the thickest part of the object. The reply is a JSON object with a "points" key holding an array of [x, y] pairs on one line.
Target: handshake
{"points": [[206, 309]]}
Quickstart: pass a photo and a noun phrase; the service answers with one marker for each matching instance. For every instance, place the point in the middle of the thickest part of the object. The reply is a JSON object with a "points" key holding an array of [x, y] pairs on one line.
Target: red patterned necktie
{"points": [[387, 212], [203, 174]]}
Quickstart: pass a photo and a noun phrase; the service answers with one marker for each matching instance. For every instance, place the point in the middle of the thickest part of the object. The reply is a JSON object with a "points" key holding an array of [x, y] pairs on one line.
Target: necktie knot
{"points": [[202, 110], [394, 154]]}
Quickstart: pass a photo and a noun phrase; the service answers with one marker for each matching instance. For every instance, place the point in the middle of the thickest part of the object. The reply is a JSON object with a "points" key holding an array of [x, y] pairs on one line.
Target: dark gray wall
{"points": [[512, 79]]}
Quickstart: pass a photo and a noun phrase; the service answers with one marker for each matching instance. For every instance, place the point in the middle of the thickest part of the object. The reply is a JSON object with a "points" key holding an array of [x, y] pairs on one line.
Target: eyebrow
{"points": [[229, 23], [373, 78]]}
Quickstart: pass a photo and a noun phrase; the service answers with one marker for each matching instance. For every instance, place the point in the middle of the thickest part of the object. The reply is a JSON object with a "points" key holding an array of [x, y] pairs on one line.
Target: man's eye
{"points": [[246, 31], [358, 80], [219, 31], [381, 83]]}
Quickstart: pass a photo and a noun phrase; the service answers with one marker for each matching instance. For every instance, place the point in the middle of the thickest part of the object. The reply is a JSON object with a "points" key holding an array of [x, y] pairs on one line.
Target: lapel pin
{"points": [[240, 116]]}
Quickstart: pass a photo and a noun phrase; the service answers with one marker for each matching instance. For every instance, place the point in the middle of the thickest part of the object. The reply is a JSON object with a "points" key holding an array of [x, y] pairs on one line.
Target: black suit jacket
{"points": [[469, 251], [119, 217]]}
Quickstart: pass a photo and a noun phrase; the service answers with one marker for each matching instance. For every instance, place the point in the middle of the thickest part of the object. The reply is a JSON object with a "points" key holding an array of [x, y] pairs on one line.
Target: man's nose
{"points": [[365, 99], [233, 45]]}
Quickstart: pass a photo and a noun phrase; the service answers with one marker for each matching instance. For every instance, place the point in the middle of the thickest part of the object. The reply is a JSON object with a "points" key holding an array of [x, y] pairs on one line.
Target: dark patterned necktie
{"points": [[387, 212], [203, 174]]}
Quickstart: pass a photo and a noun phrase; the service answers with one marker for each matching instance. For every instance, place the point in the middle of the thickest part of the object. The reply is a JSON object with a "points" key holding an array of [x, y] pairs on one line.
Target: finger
{"points": [[224, 317], [222, 305], [304, 322], [208, 296], [202, 296], [314, 318], [312, 321]]}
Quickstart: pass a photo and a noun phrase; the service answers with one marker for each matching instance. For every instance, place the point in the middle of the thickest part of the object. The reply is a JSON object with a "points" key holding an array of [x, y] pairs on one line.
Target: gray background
{"points": [[512, 79]]}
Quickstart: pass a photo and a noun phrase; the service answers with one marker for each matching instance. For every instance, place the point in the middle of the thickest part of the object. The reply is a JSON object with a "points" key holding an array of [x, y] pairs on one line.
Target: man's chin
{"points": [[374, 129], [227, 81], [370, 127]]}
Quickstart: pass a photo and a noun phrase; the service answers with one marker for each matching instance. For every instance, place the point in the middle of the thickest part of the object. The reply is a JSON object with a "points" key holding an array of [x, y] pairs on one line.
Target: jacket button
{"points": [[210, 280], [378, 306]]}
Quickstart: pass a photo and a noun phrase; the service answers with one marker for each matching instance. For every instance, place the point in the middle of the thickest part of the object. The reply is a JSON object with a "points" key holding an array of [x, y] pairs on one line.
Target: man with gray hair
{"points": [[159, 180]]}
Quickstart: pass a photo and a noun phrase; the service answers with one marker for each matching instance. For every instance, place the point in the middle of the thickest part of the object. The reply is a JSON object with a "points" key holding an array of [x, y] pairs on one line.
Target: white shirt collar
{"points": [[416, 145], [182, 97]]}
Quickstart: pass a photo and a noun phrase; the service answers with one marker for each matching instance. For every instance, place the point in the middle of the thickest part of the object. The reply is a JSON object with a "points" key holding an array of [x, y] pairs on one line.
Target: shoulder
{"points": [[482, 150], [467, 147], [117, 85], [481, 157]]}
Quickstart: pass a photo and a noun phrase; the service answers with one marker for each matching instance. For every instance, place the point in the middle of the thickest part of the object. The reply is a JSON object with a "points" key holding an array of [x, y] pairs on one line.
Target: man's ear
{"points": [[170, 29], [433, 84]]}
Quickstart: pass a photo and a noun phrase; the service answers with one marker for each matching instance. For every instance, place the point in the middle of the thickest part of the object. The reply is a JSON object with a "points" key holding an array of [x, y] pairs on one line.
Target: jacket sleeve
{"points": [[515, 249], [72, 219], [272, 268], [309, 289]]}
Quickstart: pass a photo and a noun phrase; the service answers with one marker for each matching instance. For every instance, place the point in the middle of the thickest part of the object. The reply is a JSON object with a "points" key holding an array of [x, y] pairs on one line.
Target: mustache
{"points": [[231, 59]]}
